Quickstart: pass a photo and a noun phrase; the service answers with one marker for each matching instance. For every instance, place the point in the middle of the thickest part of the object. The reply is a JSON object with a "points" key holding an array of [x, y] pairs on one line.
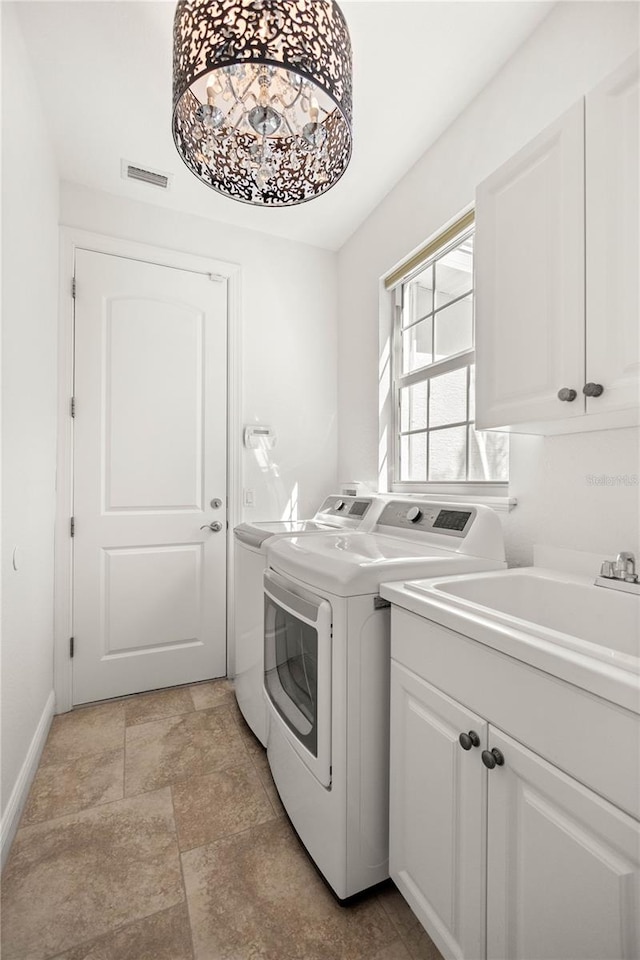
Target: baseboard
{"points": [[18, 798]]}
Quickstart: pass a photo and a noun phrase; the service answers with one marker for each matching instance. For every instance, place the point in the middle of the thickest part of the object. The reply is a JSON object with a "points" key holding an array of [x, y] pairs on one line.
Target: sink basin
{"points": [[556, 608]]}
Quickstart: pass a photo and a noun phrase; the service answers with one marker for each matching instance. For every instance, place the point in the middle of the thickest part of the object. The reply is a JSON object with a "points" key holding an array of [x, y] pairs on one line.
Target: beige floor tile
{"points": [[219, 804], [164, 936], [395, 951], [252, 745], [411, 931], [257, 895], [71, 880], [166, 751], [264, 772], [213, 693], [62, 788], [86, 730], [157, 705]]}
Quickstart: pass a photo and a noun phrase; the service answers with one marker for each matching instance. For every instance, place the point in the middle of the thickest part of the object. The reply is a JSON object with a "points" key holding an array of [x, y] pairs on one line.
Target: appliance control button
{"points": [[340, 505], [414, 515]]}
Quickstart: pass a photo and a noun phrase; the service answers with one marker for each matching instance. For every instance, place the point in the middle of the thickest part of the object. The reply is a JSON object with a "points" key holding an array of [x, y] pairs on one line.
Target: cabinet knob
{"points": [[567, 394], [468, 740], [593, 389], [493, 758]]}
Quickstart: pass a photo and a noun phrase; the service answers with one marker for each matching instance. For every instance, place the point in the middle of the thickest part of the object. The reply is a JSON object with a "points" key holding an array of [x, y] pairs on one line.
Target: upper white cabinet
{"points": [[613, 252], [558, 219], [530, 279]]}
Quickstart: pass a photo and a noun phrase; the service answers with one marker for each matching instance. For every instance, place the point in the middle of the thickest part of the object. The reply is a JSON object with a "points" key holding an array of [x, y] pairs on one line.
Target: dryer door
{"points": [[297, 670]]}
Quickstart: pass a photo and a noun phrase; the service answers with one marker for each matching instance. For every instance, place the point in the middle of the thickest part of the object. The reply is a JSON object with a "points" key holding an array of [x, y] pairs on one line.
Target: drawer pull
{"points": [[593, 389], [567, 394], [493, 758], [468, 740]]}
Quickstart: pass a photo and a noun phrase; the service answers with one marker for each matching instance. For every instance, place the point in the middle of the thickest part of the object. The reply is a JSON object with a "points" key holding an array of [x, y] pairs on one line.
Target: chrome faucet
{"points": [[619, 574], [626, 567]]}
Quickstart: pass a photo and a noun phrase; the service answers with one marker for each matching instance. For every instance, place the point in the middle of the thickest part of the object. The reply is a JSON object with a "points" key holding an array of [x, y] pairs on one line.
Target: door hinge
{"points": [[72, 646], [73, 287], [73, 406], [72, 526]]}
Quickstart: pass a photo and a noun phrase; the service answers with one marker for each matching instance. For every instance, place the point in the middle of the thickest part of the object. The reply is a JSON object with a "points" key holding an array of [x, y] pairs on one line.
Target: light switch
{"points": [[248, 497]]}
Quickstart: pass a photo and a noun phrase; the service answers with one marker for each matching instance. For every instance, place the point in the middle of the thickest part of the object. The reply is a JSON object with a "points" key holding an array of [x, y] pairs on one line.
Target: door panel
{"points": [[563, 865], [437, 815], [149, 456], [148, 404], [613, 249], [529, 274]]}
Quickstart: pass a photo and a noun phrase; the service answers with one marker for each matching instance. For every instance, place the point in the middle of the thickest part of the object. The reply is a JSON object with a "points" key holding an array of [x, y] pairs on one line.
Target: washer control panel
{"points": [[354, 508], [428, 517]]}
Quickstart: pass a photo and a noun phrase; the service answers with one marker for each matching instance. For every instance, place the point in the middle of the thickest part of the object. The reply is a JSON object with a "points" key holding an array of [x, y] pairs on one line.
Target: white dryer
{"points": [[327, 670], [336, 513]]}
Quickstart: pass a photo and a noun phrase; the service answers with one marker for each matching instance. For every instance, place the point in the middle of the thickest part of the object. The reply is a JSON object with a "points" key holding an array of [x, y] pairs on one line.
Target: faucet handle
{"points": [[608, 569], [626, 567]]}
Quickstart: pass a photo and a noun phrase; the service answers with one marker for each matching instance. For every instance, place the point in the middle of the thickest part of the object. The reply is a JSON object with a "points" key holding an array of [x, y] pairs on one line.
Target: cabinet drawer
{"points": [[591, 739]]}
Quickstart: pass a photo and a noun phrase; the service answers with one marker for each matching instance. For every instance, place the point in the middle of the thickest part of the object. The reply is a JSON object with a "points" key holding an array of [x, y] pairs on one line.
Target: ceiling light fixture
{"points": [[262, 97]]}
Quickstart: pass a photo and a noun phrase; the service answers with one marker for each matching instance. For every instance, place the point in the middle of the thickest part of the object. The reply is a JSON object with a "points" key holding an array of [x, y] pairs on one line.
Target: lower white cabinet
{"points": [[562, 865], [519, 861], [437, 815]]}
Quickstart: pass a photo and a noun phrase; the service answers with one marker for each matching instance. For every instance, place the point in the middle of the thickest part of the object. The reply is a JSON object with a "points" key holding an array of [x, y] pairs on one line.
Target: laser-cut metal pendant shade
{"points": [[262, 97]]}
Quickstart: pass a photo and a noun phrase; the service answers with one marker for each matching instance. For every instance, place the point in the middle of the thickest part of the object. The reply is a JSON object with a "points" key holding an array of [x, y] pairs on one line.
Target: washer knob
{"points": [[340, 505], [414, 515]]}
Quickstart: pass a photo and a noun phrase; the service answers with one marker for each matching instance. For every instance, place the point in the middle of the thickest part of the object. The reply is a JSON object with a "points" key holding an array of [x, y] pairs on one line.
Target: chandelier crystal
{"points": [[262, 97]]}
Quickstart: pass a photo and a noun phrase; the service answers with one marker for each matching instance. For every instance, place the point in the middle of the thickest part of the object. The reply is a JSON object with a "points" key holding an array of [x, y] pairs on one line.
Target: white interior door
{"points": [[149, 459]]}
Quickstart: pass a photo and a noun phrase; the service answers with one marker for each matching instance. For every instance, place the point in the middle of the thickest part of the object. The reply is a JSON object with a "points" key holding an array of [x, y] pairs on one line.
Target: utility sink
{"points": [[560, 622]]}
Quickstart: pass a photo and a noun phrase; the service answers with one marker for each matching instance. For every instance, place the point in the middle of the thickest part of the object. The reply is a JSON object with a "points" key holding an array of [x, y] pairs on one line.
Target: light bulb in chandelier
{"points": [[270, 90]]}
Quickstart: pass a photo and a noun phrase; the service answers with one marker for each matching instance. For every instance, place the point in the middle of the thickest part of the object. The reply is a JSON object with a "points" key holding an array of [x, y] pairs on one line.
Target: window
{"points": [[434, 373]]}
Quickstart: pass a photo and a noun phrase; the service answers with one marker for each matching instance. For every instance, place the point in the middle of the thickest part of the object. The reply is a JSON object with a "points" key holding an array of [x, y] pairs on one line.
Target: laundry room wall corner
{"points": [[30, 205]]}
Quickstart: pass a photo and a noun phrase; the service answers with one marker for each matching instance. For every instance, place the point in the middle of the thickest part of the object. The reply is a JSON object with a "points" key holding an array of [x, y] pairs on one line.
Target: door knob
{"points": [[593, 389], [567, 394], [493, 758], [215, 527], [468, 740]]}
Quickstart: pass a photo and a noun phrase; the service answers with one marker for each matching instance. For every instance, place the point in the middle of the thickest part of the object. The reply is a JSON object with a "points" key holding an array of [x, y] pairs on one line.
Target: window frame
{"points": [[466, 359]]}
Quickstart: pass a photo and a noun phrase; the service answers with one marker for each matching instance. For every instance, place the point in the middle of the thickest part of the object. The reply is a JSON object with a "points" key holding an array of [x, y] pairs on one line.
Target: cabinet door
{"points": [[613, 253], [529, 257], [563, 877], [437, 816]]}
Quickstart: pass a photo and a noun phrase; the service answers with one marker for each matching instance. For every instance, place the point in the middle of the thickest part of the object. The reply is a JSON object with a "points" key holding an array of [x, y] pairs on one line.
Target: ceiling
{"points": [[103, 70]]}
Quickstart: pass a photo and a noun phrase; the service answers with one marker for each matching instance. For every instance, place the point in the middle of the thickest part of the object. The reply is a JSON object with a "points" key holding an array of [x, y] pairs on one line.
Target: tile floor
{"points": [[153, 831]]}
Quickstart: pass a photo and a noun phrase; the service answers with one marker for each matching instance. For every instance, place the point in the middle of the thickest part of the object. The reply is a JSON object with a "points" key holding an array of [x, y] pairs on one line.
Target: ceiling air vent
{"points": [[131, 171]]}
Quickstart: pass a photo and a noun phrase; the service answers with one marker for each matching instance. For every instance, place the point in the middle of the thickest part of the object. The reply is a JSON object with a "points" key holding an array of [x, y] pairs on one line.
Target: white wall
{"points": [[289, 343], [29, 343], [571, 51]]}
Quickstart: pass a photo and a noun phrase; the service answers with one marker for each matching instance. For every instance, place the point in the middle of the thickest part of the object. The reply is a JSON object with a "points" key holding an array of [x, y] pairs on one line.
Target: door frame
{"points": [[221, 271]]}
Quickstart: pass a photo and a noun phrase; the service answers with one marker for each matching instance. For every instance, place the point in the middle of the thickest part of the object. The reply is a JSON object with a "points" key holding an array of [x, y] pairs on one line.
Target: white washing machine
{"points": [[336, 513], [327, 669]]}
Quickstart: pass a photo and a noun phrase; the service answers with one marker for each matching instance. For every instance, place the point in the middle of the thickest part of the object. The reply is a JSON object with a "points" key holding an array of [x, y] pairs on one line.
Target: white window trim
{"points": [[492, 492]]}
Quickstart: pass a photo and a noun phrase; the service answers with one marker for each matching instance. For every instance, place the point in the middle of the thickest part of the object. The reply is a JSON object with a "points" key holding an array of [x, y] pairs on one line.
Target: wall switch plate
{"points": [[248, 497]]}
